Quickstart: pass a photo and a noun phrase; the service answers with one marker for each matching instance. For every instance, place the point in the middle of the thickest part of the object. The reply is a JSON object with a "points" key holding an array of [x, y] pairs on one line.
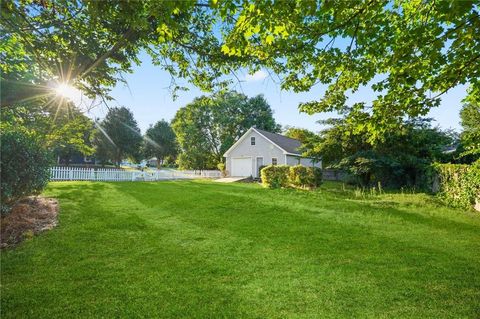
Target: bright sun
{"points": [[67, 91]]}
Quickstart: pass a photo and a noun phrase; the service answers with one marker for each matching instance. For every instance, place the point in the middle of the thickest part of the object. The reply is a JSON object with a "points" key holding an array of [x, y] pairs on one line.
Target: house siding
{"points": [[295, 160], [262, 148]]}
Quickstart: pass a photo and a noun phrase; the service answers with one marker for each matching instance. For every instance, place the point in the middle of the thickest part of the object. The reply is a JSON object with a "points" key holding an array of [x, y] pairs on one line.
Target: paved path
{"points": [[229, 179]]}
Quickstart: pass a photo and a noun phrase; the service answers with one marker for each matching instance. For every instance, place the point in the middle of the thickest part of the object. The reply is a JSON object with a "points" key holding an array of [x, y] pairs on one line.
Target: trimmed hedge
{"points": [[278, 176], [458, 185], [275, 176], [305, 177], [25, 166]]}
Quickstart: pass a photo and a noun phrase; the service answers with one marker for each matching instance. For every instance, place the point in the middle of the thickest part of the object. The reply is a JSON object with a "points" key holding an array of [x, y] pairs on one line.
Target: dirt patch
{"points": [[28, 217]]}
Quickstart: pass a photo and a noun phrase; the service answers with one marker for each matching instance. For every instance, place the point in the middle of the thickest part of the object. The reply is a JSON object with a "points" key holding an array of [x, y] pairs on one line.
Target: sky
{"points": [[148, 97]]}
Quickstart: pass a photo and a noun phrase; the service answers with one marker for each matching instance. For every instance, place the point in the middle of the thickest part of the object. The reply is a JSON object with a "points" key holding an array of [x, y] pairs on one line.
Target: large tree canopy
{"points": [[90, 43], [408, 52]]}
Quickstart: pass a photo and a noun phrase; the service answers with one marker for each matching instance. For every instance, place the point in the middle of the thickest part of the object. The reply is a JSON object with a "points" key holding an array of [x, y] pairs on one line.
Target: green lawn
{"points": [[196, 249]]}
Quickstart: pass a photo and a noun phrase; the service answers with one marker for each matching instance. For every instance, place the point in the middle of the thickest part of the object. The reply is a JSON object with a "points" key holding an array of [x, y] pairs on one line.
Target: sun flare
{"points": [[67, 91]]}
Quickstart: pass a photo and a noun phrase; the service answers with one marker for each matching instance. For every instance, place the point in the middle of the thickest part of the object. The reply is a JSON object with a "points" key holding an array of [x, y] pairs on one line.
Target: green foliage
{"points": [[25, 165], [470, 137], [160, 141], [71, 135], [305, 177], [221, 167], [458, 184], [402, 50], [65, 130], [117, 136], [303, 135], [275, 176], [281, 176], [91, 43], [400, 159], [207, 127]]}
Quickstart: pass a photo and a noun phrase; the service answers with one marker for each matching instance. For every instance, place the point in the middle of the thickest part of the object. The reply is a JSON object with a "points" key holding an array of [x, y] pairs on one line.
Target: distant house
{"points": [[76, 159], [152, 162], [258, 148]]}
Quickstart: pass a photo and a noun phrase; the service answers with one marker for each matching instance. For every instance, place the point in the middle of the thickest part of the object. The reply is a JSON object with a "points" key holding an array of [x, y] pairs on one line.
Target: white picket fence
{"points": [[108, 174]]}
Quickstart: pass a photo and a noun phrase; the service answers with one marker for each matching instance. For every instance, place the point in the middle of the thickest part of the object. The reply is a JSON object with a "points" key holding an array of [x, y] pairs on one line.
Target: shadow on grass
{"points": [[199, 249]]}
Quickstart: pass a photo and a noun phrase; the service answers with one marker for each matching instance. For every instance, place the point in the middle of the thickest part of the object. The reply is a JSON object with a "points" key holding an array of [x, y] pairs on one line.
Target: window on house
{"points": [[274, 161], [252, 140]]}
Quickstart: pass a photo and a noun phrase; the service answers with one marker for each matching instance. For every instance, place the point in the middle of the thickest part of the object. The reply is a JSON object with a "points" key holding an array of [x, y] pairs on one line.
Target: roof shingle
{"points": [[290, 145]]}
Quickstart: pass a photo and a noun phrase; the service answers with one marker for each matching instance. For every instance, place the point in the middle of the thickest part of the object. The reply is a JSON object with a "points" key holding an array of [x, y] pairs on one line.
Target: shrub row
{"points": [[458, 185], [277, 176]]}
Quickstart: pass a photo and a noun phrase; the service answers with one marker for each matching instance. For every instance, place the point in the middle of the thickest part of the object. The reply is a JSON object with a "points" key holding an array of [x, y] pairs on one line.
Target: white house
{"points": [[257, 148]]}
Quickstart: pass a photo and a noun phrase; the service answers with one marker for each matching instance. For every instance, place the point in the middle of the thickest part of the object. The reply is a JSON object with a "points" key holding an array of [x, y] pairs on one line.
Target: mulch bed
{"points": [[28, 217]]}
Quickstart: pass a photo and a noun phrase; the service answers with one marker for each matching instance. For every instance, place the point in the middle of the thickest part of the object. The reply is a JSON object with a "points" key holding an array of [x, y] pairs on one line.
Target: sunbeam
{"points": [[104, 133], [152, 142]]}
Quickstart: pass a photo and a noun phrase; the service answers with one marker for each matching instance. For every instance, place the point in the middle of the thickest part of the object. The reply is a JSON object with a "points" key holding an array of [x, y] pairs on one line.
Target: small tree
{"points": [[71, 136], [160, 141], [118, 136]]}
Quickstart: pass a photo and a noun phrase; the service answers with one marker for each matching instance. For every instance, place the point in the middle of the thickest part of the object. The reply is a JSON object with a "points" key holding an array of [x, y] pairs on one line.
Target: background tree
{"points": [[300, 134], [70, 136], [310, 142], [401, 159], [65, 130], [207, 127], [118, 136], [160, 142], [470, 137]]}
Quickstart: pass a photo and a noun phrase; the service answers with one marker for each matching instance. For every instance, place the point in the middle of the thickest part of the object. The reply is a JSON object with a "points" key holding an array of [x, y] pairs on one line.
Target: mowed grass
{"points": [[196, 249]]}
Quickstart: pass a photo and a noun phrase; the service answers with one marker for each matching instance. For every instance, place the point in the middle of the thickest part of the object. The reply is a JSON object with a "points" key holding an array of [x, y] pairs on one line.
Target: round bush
{"points": [[305, 177], [25, 166], [275, 176]]}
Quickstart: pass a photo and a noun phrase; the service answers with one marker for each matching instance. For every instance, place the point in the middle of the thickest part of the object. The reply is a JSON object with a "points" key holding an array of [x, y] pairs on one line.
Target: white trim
{"points": [[238, 142], [255, 165], [284, 151], [253, 129], [295, 154], [245, 135]]}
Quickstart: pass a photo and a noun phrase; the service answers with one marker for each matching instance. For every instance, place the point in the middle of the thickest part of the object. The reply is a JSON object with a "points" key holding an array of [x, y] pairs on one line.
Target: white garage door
{"points": [[242, 166]]}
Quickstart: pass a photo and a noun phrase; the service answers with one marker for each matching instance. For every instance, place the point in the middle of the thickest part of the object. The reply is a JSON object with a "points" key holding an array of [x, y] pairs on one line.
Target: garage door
{"points": [[242, 166]]}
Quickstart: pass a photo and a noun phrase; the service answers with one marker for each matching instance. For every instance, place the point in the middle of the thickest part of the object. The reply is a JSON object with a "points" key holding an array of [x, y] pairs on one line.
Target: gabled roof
{"points": [[289, 145], [286, 144]]}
